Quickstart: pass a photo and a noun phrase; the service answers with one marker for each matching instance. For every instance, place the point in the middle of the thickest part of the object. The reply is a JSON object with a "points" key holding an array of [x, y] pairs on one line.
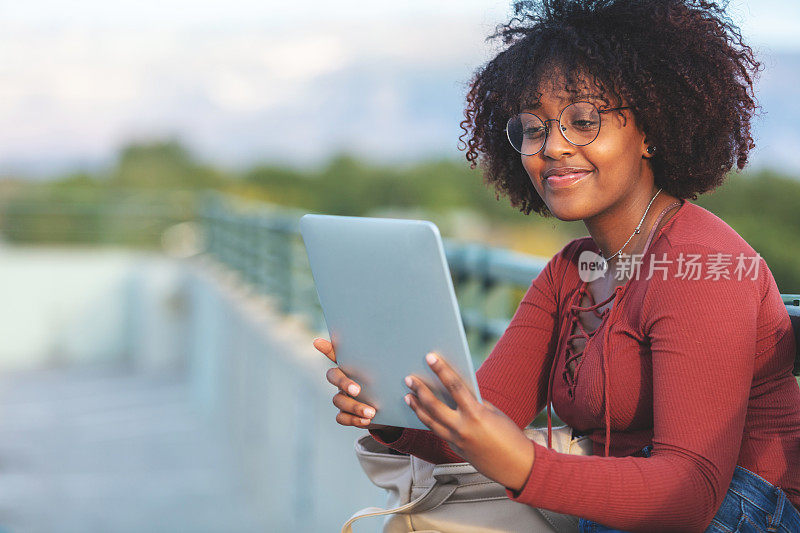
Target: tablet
{"points": [[388, 300]]}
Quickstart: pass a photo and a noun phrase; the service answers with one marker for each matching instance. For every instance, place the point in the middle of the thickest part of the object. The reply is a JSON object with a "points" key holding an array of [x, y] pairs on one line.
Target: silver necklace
{"points": [[636, 231]]}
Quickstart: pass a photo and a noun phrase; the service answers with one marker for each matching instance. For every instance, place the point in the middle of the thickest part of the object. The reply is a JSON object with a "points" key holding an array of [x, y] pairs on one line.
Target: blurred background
{"points": [[157, 308]]}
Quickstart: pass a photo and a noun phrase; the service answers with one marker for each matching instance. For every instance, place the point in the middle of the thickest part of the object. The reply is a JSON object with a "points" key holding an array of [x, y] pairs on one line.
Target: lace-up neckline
{"points": [[570, 376]]}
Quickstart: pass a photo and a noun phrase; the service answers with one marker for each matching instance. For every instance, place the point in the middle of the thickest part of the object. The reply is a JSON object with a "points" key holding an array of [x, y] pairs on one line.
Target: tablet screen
{"points": [[388, 300]]}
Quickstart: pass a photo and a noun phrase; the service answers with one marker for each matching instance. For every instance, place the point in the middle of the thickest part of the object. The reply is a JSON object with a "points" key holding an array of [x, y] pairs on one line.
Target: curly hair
{"points": [[681, 65]]}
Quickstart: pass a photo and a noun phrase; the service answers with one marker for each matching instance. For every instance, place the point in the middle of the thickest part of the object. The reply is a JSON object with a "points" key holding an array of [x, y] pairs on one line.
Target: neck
{"points": [[611, 228]]}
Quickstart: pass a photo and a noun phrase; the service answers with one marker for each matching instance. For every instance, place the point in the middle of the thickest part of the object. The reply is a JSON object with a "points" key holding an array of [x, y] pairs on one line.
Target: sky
{"points": [[244, 81]]}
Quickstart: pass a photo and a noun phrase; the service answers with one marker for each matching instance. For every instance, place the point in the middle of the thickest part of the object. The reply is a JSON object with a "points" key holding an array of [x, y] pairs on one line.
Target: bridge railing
{"points": [[264, 245]]}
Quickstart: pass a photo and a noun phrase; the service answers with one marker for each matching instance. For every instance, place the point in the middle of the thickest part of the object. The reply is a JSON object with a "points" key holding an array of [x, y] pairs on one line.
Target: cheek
{"points": [[618, 154], [533, 168]]}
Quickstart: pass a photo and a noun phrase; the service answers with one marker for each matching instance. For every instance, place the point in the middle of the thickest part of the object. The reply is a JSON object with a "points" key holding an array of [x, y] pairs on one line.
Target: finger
{"points": [[325, 347], [346, 419], [439, 429], [437, 409], [336, 377], [352, 406], [451, 381]]}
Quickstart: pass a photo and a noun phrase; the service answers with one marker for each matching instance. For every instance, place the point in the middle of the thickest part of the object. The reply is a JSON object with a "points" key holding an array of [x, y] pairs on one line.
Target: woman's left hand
{"points": [[478, 432]]}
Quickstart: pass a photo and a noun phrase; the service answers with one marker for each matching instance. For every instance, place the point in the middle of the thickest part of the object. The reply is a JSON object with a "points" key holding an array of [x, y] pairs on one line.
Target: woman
{"points": [[677, 360]]}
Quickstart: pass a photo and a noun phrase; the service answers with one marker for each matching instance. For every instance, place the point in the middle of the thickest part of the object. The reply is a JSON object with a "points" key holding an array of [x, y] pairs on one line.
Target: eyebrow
{"points": [[571, 99]]}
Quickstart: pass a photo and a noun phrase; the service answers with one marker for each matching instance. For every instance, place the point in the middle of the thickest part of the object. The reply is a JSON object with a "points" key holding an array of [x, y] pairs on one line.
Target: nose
{"points": [[556, 145]]}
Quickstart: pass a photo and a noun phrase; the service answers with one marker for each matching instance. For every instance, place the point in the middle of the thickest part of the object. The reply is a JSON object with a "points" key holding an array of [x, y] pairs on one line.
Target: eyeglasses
{"points": [[579, 123]]}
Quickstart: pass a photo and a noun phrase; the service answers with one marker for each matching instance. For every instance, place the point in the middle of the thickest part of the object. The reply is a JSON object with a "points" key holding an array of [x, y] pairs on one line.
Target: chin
{"points": [[568, 211]]}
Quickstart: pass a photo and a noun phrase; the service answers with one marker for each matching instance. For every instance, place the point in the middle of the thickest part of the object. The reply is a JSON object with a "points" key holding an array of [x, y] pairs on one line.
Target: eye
{"points": [[533, 132], [584, 124]]}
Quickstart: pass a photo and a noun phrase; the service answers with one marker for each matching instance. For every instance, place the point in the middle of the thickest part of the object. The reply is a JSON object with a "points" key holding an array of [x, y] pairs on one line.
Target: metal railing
{"points": [[262, 244]]}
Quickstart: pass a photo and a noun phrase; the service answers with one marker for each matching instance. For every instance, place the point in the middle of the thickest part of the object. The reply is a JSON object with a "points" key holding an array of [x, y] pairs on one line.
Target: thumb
{"points": [[326, 347]]}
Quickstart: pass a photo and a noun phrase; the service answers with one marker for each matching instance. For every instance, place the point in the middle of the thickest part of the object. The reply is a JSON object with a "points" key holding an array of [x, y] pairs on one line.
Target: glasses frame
{"points": [[561, 128]]}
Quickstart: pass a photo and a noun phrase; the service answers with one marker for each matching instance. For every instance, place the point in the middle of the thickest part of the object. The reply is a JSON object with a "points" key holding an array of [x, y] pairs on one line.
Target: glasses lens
{"points": [[526, 132], [580, 123]]}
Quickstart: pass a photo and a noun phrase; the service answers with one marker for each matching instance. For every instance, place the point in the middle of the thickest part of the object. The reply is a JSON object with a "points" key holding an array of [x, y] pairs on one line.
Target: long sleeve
{"points": [[514, 376], [702, 337]]}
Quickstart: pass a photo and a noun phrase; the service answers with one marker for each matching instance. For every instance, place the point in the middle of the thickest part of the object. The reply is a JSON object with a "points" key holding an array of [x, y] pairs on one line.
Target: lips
{"points": [[564, 176]]}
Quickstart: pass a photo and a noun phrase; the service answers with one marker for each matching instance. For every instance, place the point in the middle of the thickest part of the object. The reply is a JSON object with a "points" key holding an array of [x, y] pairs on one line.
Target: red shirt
{"points": [[697, 365]]}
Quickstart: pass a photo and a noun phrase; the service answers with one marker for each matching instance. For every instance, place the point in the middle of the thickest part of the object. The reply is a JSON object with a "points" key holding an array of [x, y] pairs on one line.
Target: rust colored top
{"points": [[572, 358], [696, 363]]}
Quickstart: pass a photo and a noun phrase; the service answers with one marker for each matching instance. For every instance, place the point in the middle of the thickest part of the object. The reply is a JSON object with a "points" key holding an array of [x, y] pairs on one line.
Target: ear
{"points": [[646, 150]]}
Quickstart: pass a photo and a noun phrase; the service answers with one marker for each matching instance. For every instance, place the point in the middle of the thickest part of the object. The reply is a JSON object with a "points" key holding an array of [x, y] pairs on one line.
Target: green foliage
{"points": [[162, 164], [763, 207], [96, 214], [347, 186]]}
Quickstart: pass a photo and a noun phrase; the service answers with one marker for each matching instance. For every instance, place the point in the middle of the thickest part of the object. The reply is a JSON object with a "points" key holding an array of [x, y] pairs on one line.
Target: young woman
{"points": [[677, 361]]}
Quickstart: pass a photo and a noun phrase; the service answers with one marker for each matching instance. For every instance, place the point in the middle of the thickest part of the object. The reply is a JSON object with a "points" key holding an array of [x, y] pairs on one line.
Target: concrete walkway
{"points": [[106, 450]]}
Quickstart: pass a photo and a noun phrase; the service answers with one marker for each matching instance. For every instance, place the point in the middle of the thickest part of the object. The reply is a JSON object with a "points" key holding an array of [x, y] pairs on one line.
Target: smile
{"points": [[565, 180]]}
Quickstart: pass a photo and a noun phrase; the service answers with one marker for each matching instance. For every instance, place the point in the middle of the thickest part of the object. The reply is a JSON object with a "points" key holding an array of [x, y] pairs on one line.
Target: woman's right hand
{"points": [[351, 411]]}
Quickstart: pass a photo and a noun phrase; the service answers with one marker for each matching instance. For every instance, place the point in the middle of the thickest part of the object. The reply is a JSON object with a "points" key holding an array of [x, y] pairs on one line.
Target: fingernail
{"points": [[409, 381], [431, 358], [407, 398], [352, 389], [369, 411], [365, 421]]}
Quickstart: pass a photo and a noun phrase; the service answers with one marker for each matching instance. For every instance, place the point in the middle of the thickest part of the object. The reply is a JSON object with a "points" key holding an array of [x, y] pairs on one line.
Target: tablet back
{"points": [[388, 300]]}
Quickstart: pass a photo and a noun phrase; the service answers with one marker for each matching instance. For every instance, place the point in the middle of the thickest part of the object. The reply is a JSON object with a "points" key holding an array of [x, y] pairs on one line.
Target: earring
{"points": [[651, 150]]}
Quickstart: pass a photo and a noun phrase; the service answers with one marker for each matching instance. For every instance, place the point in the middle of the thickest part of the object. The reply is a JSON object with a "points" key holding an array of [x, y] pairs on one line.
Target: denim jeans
{"points": [[752, 504]]}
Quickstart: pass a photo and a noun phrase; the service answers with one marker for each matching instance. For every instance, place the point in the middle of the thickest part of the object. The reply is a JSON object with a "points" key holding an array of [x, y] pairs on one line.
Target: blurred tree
{"points": [[162, 164], [279, 185], [764, 207]]}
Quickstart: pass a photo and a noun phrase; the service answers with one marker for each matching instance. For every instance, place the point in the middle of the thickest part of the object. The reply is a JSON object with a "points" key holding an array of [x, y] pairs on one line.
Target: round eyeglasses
{"points": [[579, 123]]}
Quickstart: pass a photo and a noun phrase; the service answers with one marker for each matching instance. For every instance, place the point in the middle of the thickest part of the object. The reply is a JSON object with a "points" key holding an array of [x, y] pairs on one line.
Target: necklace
{"points": [[636, 231]]}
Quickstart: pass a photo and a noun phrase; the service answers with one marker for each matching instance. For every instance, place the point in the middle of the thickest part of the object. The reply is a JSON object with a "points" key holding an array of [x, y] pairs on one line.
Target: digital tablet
{"points": [[388, 300]]}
